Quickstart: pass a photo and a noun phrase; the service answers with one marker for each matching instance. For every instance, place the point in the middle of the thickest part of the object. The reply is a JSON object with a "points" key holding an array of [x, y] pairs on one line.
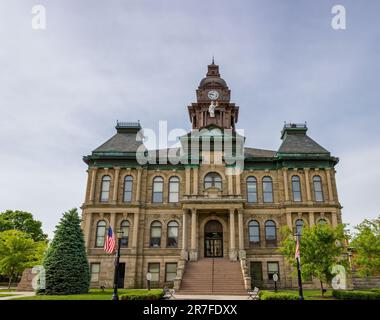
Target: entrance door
{"points": [[256, 274], [213, 239], [121, 275]]}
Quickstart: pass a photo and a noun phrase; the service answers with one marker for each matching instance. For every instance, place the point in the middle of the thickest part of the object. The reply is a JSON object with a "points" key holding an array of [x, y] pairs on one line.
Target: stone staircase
{"points": [[216, 276]]}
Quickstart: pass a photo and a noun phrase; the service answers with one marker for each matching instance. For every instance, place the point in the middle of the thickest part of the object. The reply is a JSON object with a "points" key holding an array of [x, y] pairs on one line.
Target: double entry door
{"points": [[214, 245]]}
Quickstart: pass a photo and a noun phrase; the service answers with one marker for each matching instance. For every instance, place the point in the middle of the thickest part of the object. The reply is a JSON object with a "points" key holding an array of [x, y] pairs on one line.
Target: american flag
{"points": [[297, 254], [109, 245]]}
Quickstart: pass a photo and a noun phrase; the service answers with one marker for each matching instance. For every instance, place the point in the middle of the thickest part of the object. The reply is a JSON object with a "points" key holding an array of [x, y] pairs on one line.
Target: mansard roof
{"points": [[296, 146], [120, 142], [124, 140], [258, 153], [296, 141]]}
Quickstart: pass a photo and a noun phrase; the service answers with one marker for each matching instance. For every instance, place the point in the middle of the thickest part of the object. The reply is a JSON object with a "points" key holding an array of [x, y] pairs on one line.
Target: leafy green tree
{"points": [[17, 252], [321, 247], [22, 221], [66, 266], [366, 247]]}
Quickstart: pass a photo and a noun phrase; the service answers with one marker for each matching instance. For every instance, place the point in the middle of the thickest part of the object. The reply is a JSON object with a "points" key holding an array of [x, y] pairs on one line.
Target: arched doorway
{"points": [[213, 239]]}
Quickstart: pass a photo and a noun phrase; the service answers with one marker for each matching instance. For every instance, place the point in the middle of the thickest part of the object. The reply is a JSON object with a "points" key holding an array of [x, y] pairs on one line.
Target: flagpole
{"points": [[300, 291], [115, 295]]}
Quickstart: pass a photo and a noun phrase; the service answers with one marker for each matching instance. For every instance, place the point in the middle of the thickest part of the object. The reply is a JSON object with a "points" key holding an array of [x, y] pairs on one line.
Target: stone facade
{"points": [[199, 203]]}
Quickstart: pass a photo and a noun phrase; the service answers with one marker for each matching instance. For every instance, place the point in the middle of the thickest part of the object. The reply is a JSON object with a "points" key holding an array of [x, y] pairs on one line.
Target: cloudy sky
{"points": [[62, 89]]}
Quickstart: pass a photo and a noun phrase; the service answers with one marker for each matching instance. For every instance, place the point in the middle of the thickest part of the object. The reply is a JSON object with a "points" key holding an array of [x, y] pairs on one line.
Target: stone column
{"points": [[311, 219], [233, 254], [329, 185], [184, 253], [136, 221], [286, 189], [229, 181], [307, 182], [194, 250], [237, 173], [241, 235], [88, 185], [113, 222], [334, 219], [138, 188], [289, 220], [93, 182], [187, 182], [116, 184], [88, 229], [195, 180]]}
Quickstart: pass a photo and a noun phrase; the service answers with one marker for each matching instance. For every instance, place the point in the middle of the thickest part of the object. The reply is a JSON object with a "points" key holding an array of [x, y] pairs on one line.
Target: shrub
{"points": [[356, 295], [143, 295], [268, 295]]}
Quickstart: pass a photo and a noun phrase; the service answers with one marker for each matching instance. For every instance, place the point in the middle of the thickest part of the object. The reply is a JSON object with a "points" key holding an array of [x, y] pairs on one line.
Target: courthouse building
{"points": [[205, 224]]}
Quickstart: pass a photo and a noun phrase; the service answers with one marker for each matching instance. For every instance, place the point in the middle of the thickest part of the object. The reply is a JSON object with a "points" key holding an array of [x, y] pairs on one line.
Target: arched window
{"points": [[299, 225], [267, 189], [254, 232], [105, 189], [158, 189], [296, 187], [100, 233], [155, 234], [172, 241], [174, 189], [318, 192], [251, 189], [213, 179], [128, 183], [270, 232], [124, 226], [322, 221]]}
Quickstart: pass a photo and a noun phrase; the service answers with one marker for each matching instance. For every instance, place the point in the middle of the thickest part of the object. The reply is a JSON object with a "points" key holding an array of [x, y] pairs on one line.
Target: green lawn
{"points": [[95, 294], [2, 295], [7, 290]]}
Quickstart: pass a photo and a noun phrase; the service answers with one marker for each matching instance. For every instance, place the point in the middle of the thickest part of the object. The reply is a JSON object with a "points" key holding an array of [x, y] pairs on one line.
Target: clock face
{"points": [[213, 95]]}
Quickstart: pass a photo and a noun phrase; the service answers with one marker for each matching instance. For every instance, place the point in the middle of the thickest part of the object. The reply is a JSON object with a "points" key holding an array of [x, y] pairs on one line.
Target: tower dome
{"points": [[213, 78]]}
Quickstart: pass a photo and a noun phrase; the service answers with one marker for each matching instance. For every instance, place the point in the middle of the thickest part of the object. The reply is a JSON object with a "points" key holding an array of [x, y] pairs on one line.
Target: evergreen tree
{"points": [[66, 265]]}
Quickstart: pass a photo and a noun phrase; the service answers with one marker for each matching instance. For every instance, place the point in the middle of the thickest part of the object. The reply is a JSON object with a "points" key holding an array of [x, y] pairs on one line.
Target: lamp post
{"points": [[349, 252], [115, 295], [300, 292], [275, 279]]}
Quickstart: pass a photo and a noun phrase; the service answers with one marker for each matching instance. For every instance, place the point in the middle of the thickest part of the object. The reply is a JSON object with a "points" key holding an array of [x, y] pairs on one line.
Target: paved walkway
{"points": [[16, 294], [208, 297]]}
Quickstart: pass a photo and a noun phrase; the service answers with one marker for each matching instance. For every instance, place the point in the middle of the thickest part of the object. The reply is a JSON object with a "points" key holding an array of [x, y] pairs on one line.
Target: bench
{"points": [[254, 294], [169, 293]]}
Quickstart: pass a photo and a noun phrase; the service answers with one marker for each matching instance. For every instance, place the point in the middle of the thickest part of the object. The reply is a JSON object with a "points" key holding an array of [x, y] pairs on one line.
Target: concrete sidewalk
{"points": [[16, 294], [207, 297]]}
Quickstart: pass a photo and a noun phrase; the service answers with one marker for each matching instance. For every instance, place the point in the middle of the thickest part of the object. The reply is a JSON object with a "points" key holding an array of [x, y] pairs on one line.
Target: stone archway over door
{"points": [[213, 243]]}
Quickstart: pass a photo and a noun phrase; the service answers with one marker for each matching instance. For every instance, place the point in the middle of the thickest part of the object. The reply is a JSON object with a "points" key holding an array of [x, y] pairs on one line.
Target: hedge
{"points": [[143, 295], [268, 295], [374, 294]]}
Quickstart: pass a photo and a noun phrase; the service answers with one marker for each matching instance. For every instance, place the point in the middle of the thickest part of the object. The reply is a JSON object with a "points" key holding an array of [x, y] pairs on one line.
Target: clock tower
{"points": [[213, 106]]}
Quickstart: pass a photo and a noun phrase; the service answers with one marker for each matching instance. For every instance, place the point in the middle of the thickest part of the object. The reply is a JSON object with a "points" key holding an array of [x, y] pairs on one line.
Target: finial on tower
{"points": [[213, 60]]}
